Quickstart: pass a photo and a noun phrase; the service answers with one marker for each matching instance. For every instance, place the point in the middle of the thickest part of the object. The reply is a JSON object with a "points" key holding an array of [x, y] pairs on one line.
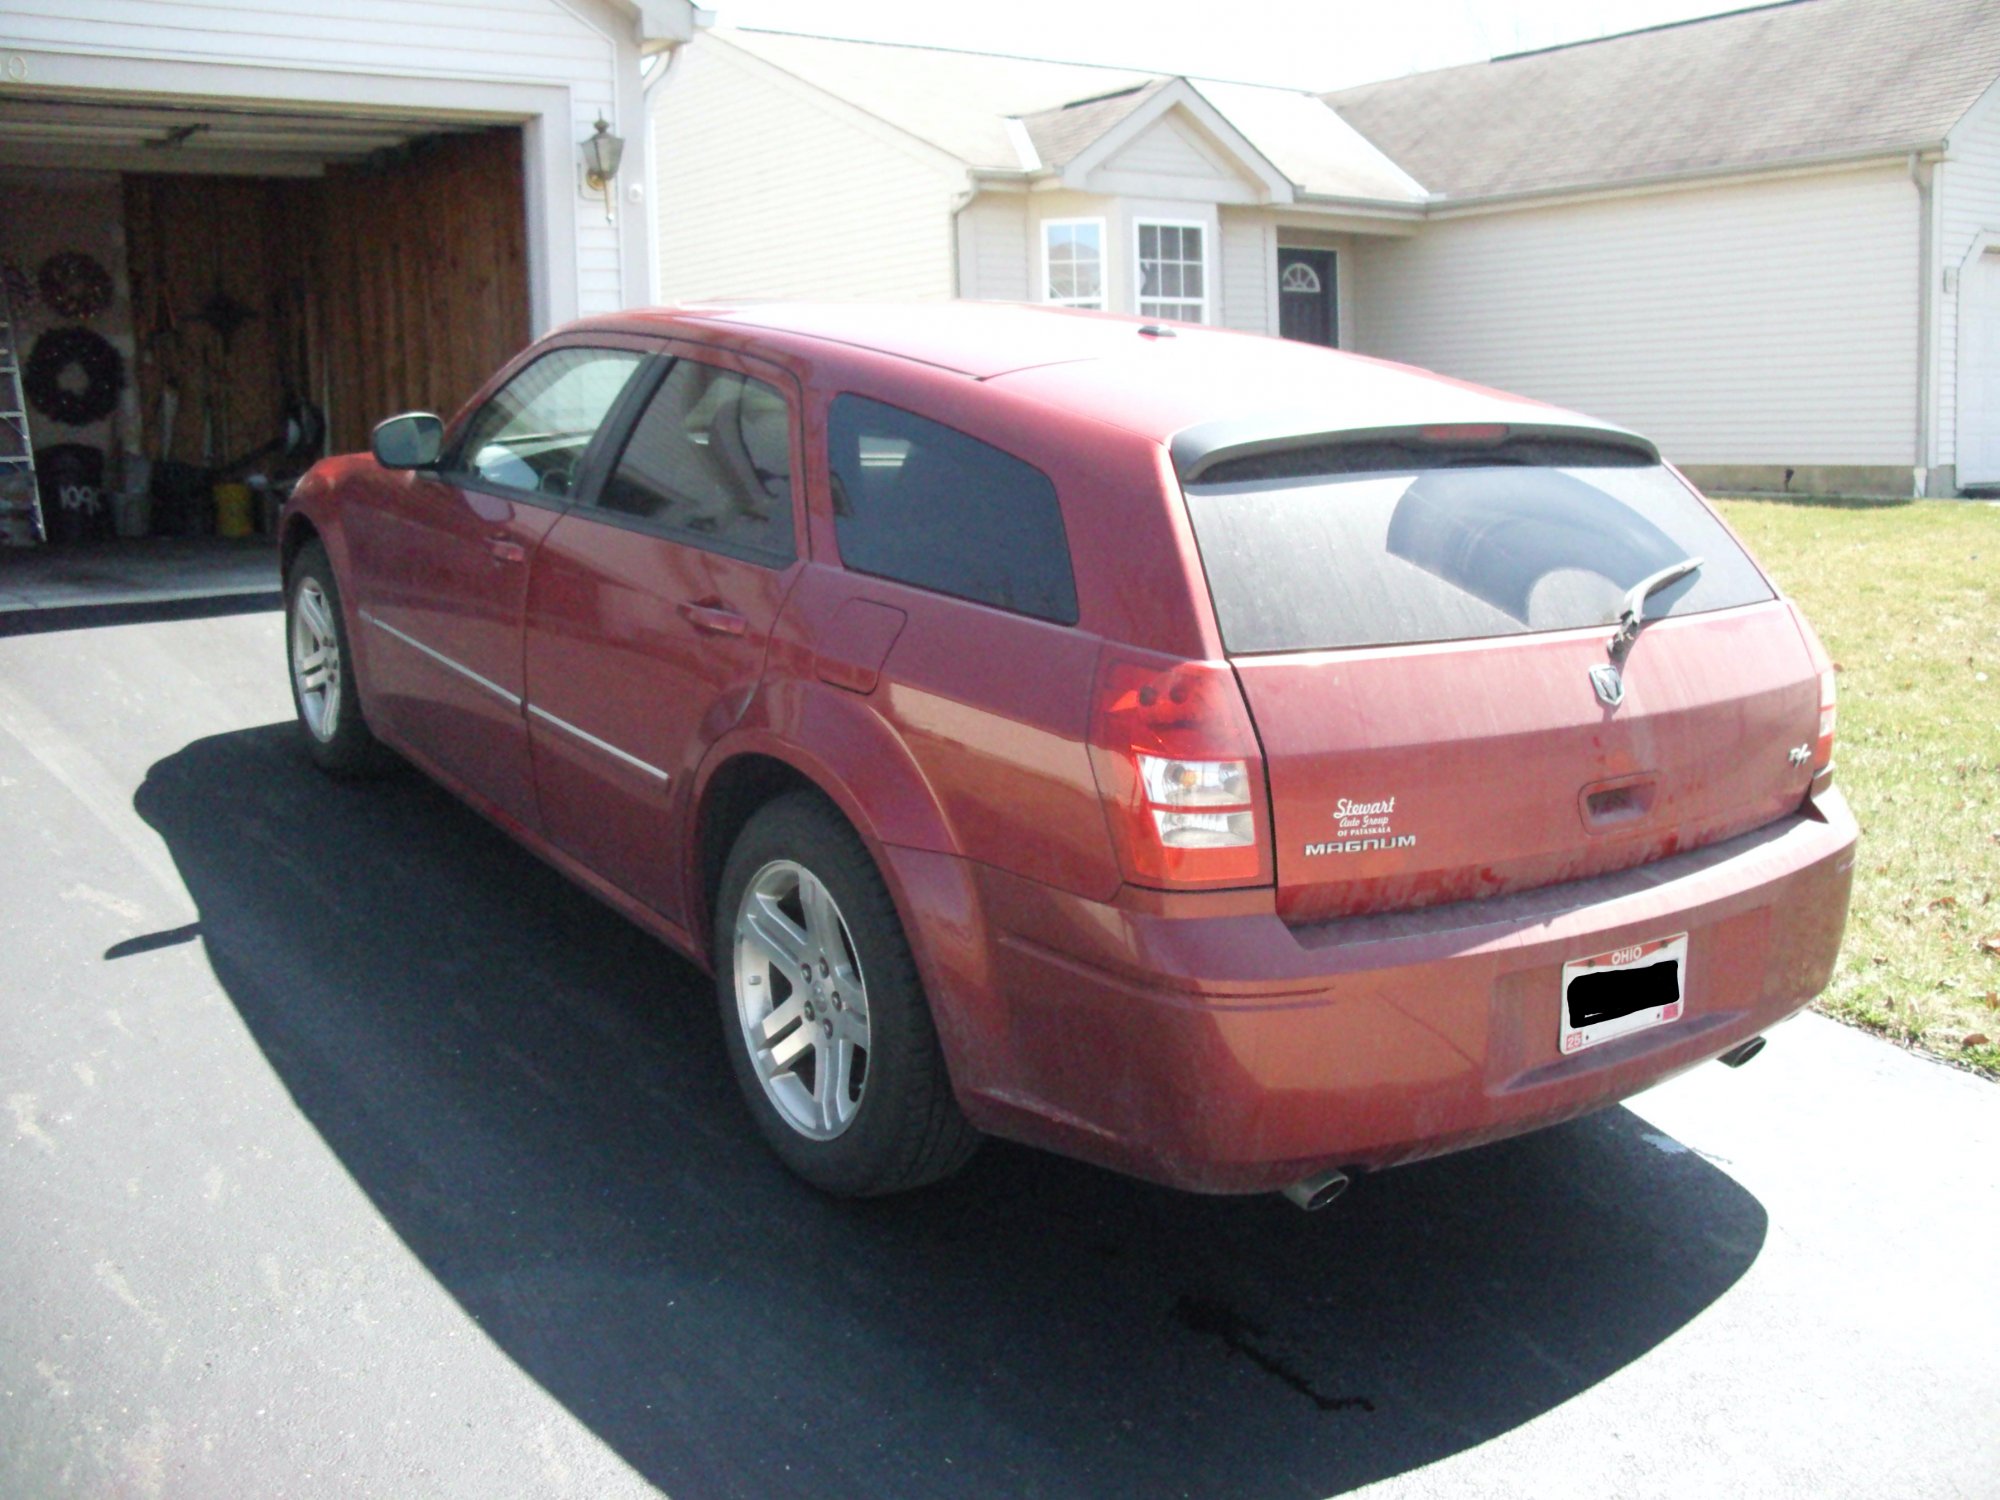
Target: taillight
{"points": [[1822, 759], [1180, 771], [1823, 747]]}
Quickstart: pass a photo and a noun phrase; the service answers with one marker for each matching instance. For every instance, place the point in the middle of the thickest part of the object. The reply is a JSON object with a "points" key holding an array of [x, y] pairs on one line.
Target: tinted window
{"points": [[922, 503], [533, 433], [1454, 553], [710, 462]]}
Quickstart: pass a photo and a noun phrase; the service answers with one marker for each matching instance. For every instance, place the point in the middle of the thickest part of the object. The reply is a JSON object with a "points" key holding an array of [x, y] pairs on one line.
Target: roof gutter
{"points": [[1373, 208], [1443, 206]]}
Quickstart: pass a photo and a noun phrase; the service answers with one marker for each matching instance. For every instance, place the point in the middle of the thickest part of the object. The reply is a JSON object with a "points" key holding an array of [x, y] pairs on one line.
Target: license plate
{"points": [[1626, 990]]}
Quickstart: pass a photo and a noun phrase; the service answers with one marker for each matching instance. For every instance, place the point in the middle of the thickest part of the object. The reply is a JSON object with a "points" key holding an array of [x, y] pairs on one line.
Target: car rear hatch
{"points": [[1421, 622]]}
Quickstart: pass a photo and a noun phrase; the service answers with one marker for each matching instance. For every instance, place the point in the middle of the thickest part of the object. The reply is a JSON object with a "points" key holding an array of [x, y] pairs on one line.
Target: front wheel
{"points": [[323, 692], [825, 1018]]}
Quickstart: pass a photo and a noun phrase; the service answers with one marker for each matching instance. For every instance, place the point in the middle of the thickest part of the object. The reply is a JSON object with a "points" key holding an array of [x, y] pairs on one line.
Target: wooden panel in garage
{"points": [[376, 289], [199, 244], [425, 269]]}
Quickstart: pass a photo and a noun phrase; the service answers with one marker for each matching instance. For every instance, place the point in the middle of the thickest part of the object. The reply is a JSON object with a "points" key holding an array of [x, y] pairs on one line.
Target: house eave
{"points": [[1011, 180], [663, 25], [1363, 208], [1444, 206]]}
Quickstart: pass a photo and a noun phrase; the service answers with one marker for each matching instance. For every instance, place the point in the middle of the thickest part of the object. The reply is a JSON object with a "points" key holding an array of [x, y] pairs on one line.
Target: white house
{"points": [[379, 201], [794, 166], [1770, 239]]}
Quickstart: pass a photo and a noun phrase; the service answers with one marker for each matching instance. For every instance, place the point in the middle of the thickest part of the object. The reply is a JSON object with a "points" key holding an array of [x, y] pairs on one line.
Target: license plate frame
{"points": [[1606, 1008]]}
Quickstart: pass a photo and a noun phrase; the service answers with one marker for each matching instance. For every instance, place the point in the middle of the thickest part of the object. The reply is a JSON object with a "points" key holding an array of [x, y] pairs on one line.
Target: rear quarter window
{"points": [[925, 504], [1400, 556]]}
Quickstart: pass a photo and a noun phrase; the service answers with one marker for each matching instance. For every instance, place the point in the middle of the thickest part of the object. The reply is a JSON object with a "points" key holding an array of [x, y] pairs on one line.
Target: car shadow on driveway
{"points": [[535, 1097]]}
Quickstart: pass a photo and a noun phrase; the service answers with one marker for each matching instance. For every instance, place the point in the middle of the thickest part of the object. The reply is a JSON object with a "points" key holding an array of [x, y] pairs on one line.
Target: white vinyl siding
{"points": [[994, 251], [1968, 188], [1171, 149], [1249, 259], [1754, 323], [538, 43], [528, 39], [765, 187]]}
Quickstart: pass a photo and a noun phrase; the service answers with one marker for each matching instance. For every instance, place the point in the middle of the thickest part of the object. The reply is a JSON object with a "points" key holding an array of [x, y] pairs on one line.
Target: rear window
{"points": [[1398, 556], [926, 504]]}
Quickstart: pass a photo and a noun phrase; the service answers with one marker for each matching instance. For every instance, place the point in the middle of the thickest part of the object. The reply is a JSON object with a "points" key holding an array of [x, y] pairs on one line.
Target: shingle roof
{"points": [[962, 102], [1789, 82], [1060, 133]]}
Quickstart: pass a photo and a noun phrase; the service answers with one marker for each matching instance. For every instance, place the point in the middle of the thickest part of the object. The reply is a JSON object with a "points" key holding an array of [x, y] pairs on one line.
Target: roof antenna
{"points": [[1156, 331]]}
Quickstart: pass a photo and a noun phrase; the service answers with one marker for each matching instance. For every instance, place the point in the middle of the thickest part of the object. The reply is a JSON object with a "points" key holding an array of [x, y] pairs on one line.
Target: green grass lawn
{"points": [[1906, 599]]}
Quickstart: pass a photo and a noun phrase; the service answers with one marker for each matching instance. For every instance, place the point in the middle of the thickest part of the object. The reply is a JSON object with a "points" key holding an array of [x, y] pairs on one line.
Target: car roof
{"points": [[1148, 376], [977, 339]]}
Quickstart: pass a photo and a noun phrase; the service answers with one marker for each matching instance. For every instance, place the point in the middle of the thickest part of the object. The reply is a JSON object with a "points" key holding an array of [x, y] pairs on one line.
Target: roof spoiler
{"points": [[1198, 449]]}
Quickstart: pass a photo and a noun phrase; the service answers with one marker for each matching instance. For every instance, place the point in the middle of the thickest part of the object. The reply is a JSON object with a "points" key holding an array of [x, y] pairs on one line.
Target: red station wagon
{"points": [[1226, 760]]}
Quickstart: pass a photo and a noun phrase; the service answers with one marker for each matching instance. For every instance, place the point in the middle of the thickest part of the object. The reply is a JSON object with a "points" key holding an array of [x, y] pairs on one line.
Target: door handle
{"points": [[713, 619], [505, 551]]}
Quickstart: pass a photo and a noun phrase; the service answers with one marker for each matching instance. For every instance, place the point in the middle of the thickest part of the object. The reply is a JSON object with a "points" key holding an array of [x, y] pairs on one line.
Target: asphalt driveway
{"points": [[347, 1150]]}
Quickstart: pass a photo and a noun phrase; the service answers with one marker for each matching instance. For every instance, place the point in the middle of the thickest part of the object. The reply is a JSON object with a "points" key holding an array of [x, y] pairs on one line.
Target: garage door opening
{"points": [[230, 296]]}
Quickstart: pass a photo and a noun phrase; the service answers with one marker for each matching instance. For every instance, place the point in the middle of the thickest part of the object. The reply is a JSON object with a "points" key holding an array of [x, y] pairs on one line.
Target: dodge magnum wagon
{"points": [[1226, 760]]}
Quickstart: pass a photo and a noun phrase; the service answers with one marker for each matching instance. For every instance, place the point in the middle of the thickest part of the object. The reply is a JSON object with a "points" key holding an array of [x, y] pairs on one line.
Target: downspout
{"points": [[1922, 173], [959, 205]]}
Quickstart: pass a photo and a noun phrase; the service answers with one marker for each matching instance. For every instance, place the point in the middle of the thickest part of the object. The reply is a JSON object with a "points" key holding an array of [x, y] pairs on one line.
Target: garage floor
{"points": [[147, 571]]}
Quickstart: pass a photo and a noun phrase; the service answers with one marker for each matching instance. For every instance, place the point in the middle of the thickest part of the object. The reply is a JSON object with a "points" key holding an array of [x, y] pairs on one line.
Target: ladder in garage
{"points": [[20, 488]]}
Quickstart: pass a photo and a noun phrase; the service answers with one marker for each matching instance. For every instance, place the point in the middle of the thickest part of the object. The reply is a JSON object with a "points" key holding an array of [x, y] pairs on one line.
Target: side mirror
{"points": [[411, 441]]}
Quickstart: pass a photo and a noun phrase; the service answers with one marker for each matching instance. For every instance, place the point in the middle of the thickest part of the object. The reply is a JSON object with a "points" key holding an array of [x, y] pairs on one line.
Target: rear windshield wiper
{"points": [[1633, 615]]}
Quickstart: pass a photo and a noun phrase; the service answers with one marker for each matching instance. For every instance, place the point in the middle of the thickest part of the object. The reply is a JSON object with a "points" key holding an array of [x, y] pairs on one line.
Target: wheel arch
{"points": [[874, 783], [298, 530]]}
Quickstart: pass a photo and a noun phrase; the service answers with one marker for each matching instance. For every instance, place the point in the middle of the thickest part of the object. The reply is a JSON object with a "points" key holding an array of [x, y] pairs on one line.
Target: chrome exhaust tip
{"points": [[1742, 1052], [1318, 1190]]}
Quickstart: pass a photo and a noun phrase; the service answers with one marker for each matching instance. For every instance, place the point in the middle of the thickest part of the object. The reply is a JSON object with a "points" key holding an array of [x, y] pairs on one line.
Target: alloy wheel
{"points": [[316, 659], [801, 1000]]}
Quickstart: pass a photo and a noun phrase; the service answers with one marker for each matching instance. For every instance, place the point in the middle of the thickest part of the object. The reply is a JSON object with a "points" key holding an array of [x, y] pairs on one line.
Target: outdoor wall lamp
{"points": [[601, 155]]}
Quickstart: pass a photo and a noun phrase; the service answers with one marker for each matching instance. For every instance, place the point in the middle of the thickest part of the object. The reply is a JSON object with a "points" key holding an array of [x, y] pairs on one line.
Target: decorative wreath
{"points": [[75, 285], [47, 383]]}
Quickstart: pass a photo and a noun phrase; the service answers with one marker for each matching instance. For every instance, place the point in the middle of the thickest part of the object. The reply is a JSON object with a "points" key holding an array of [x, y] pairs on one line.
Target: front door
{"points": [[649, 611], [440, 570], [1306, 307]]}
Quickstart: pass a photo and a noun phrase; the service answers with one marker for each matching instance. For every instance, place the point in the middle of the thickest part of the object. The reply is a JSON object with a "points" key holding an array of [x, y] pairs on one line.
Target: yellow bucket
{"points": [[233, 514]]}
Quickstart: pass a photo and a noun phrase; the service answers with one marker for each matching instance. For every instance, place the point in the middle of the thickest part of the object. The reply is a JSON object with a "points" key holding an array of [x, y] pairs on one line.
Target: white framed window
{"points": [[1173, 270], [1073, 262]]}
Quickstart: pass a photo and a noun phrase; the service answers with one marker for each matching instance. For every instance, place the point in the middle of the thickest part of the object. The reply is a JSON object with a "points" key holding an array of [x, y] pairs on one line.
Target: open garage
{"points": [[236, 237]]}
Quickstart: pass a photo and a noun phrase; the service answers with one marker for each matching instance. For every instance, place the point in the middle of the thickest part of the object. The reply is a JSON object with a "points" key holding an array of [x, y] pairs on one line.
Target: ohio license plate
{"points": [[1626, 990]]}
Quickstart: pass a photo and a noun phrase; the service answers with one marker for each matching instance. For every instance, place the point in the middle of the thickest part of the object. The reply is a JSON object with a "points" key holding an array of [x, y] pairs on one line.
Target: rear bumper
{"points": [[1205, 1044]]}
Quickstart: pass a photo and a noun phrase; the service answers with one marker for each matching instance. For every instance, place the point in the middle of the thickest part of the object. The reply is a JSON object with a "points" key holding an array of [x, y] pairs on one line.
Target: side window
{"points": [[532, 434], [923, 503], [710, 462]]}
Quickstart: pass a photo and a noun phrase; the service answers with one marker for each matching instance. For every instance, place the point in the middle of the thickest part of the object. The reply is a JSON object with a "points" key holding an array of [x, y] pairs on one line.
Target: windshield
{"points": [[1447, 554]]}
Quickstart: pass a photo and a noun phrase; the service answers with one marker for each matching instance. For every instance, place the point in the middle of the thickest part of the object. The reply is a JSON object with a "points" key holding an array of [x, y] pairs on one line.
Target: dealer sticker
{"points": [[1361, 826]]}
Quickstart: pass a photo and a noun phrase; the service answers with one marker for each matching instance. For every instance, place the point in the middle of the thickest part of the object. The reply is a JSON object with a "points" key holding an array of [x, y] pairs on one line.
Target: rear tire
{"points": [[322, 671], [823, 1013]]}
